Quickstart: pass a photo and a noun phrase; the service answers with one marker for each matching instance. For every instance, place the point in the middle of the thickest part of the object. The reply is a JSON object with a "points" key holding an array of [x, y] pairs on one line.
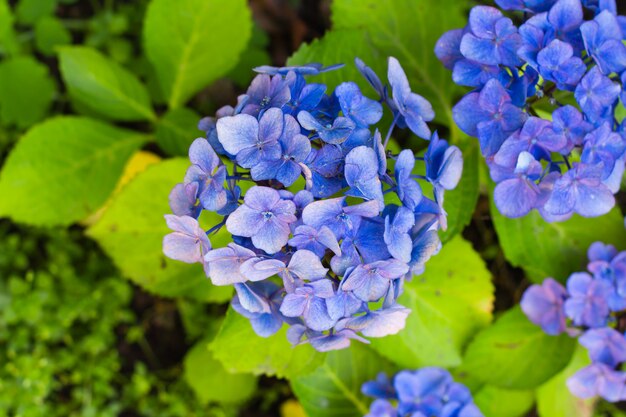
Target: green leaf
{"points": [[191, 43], [555, 249], [554, 398], [26, 91], [50, 33], [336, 47], [211, 382], [131, 232], [516, 354], [449, 303], [334, 389], [29, 11], [408, 30], [8, 41], [177, 129], [460, 202], [102, 86], [241, 350], [64, 169], [256, 54], [500, 402]]}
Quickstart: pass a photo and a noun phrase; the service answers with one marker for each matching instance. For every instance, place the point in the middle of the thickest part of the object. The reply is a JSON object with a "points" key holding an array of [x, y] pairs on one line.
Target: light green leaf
{"points": [[102, 86], [8, 41], [516, 354], [131, 232], [449, 303], [555, 249], [241, 350], [211, 382], [177, 129], [29, 11], [193, 42], [334, 389], [26, 91], [500, 402], [554, 398], [50, 33], [64, 169]]}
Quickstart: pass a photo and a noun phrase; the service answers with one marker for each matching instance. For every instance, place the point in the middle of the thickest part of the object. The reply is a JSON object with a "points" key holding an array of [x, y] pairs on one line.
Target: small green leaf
{"points": [[516, 354], [211, 382], [191, 43], [64, 169], [554, 398], [26, 91], [449, 302], [500, 402], [177, 129], [132, 228], [29, 11], [8, 41], [555, 249], [102, 86], [50, 33], [241, 350], [334, 389]]}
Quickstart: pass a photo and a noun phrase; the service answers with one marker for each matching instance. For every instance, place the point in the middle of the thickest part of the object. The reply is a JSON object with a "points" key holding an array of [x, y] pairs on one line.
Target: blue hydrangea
{"points": [[590, 307], [426, 392], [326, 221], [545, 102]]}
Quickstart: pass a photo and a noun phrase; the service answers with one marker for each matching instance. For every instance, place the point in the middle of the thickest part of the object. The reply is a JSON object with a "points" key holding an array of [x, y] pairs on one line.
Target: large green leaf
{"points": [[337, 47], [500, 402], [64, 169], [555, 249], [408, 30], [26, 91], [211, 382], [131, 231], [450, 302], [177, 129], [514, 353], [334, 389], [554, 398], [193, 42], [102, 86], [241, 350]]}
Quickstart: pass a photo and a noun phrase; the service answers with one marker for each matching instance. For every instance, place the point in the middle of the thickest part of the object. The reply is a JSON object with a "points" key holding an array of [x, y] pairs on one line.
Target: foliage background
{"points": [[99, 100]]}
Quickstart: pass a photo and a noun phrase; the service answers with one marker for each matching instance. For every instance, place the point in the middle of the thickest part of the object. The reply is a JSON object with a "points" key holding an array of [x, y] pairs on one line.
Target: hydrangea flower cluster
{"points": [[427, 392], [326, 222], [592, 307], [547, 105]]}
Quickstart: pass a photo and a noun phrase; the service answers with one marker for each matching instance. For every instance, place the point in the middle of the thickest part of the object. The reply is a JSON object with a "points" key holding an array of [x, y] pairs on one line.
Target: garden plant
{"points": [[343, 208]]}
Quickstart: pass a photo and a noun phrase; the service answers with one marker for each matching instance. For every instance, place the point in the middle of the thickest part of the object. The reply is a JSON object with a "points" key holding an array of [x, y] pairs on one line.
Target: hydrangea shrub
{"points": [[547, 102], [313, 196]]}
